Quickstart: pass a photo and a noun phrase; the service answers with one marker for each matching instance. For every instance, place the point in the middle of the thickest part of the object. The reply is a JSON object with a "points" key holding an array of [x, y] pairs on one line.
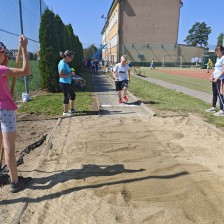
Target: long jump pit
{"points": [[125, 169]]}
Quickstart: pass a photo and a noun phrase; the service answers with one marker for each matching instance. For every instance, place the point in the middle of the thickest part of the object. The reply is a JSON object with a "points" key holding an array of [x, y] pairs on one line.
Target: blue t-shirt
{"points": [[63, 66]]}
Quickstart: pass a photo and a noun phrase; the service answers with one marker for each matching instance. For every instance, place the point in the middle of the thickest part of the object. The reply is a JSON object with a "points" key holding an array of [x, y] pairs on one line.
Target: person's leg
{"points": [[215, 95], [72, 96], [1, 149], [220, 95], [64, 88], [9, 139], [125, 89], [119, 94]]}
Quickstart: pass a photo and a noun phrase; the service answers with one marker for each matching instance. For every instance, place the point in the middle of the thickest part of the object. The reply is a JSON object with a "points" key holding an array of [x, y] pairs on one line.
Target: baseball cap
{"points": [[2, 47]]}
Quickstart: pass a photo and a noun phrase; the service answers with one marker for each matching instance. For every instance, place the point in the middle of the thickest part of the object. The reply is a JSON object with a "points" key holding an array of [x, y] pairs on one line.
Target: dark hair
{"points": [[67, 53], [2, 47], [221, 48]]}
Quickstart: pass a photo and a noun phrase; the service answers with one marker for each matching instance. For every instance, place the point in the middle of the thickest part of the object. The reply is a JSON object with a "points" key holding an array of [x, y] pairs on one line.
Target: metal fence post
{"points": [[21, 28]]}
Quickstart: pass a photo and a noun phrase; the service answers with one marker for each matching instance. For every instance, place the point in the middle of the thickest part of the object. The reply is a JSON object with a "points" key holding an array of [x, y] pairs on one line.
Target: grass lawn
{"points": [[52, 103], [163, 99], [189, 82]]}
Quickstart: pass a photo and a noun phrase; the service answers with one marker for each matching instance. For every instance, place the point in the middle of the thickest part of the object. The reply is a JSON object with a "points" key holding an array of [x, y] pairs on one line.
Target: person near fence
{"points": [[152, 64], [217, 82], [8, 114], [121, 74], [65, 82]]}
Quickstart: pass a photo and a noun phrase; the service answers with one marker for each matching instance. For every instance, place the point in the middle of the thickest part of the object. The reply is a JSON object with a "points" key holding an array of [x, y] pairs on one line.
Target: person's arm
{"points": [[25, 70], [129, 75], [114, 72], [63, 75]]}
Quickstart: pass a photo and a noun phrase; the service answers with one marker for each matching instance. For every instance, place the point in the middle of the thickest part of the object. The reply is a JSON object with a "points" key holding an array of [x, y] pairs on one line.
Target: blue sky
{"points": [[85, 17]]}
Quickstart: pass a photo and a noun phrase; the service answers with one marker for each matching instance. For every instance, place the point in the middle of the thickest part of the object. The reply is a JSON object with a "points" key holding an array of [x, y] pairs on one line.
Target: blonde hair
{"points": [[124, 57]]}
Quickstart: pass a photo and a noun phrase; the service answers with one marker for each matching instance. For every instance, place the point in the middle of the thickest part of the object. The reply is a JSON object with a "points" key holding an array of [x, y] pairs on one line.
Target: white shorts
{"points": [[7, 120]]}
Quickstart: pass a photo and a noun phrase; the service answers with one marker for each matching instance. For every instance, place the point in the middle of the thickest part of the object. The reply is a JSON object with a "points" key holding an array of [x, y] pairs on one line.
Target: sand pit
{"points": [[129, 169]]}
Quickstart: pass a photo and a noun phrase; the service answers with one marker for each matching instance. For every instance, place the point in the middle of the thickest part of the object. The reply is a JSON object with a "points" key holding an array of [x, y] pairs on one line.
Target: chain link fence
{"points": [[22, 17]]}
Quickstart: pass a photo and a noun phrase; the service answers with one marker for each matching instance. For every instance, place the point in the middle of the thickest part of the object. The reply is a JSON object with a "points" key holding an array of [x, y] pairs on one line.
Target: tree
{"points": [[220, 39], [55, 37], [88, 52], [49, 51], [198, 35]]}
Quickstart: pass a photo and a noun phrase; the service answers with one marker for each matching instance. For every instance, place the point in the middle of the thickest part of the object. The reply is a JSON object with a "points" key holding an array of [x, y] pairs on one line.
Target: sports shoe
{"points": [[21, 184], [72, 111], [219, 113], [125, 98], [212, 109], [119, 101], [66, 114]]}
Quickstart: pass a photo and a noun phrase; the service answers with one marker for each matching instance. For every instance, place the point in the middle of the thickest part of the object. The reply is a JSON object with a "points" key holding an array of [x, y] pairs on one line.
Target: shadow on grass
{"points": [[139, 102]]}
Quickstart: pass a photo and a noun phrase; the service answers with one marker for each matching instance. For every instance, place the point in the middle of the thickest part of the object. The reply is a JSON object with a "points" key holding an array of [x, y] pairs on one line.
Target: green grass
{"points": [[189, 82], [52, 103], [33, 80], [163, 99], [170, 100]]}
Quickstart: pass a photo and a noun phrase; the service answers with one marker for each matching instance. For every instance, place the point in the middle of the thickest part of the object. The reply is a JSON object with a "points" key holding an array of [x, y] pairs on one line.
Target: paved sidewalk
{"points": [[194, 93], [107, 99]]}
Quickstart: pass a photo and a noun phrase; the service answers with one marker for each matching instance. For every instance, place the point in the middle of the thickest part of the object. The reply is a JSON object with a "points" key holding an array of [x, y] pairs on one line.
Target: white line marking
{"points": [[121, 105]]}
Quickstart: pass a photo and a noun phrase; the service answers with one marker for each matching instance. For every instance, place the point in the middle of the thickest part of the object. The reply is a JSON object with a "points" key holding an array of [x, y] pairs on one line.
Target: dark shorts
{"points": [[121, 84]]}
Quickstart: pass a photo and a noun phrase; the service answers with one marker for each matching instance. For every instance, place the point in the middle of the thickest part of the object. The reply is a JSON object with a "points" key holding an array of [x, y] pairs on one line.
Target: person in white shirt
{"points": [[217, 82], [121, 74]]}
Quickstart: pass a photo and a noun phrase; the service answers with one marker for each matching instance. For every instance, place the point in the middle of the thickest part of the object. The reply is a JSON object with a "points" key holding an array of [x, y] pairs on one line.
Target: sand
{"points": [[126, 169]]}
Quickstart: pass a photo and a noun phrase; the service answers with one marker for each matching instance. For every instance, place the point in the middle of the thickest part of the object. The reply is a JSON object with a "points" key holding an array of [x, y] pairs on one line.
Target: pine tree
{"points": [[198, 34], [220, 39], [49, 51]]}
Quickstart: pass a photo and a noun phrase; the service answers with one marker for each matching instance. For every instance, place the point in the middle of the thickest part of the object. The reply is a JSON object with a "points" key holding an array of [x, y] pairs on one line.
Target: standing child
{"points": [[121, 74], [8, 114]]}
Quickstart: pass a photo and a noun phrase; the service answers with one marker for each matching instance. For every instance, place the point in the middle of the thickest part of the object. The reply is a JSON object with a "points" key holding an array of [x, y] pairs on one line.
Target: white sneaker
{"points": [[212, 109], [219, 113], [66, 114]]}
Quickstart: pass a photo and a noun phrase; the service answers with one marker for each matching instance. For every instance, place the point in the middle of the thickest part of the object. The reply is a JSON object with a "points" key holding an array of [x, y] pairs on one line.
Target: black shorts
{"points": [[121, 84]]}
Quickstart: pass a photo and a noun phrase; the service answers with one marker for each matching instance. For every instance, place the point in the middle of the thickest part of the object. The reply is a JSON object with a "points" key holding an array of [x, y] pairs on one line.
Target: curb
{"points": [[16, 219]]}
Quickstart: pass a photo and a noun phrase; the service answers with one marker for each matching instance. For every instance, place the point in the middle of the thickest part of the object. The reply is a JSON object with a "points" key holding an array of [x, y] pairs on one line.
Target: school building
{"points": [[146, 30]]}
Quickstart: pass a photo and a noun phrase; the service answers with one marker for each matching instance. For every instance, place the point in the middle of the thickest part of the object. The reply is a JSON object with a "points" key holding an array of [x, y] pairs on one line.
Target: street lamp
{"points": [[103, 17]]}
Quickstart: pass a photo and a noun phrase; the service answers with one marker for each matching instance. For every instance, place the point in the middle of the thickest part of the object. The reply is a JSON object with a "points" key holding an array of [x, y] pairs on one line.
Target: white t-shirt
{"points": [[218, 67], [121, 72]]}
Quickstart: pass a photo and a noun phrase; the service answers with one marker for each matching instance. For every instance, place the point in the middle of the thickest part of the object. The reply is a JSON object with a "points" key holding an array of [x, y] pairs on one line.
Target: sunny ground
{"points": [[122, 165]]}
